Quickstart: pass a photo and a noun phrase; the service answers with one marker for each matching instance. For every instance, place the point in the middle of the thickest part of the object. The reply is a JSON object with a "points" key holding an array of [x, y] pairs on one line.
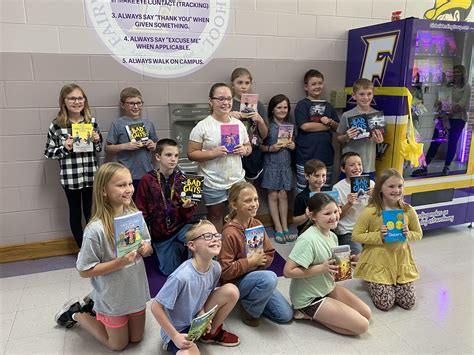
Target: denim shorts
{"points": [[214, 197]]}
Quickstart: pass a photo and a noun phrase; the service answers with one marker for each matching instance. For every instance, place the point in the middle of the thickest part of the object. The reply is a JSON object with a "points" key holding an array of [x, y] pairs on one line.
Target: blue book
{"points": [[394, 221], [333, 194], [360, 185], [128, 231]]}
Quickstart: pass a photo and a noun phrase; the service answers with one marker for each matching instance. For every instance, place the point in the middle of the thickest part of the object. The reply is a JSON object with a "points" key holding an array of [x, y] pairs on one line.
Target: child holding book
{"points": [[167, 216], [388, 268], [220, 168], [277, 175], [255, 122], [310, 265], [76, 169], [248, 271], [362, 93], [119, 320], [315, 175], [135, 155], [191, 290], [352, 205], [315, 119]]}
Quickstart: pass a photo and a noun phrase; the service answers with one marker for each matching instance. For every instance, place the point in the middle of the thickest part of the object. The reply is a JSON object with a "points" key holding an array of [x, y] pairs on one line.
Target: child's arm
{"points": [[343, 138], [362, 233], [114, 149], [179, 339], [412, 231], [351, 199], [300, 210], [294, 271], [55, 147], [196, 153], [110, 266], [377, 136], [301, 219]]}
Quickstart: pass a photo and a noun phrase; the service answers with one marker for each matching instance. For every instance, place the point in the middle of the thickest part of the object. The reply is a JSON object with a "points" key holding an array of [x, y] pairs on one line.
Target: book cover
{"points": [[128, 233], [248, 103], [394, 221], [230, 136], [342, 256], [199, 324], [82, 137], [445, 98], [376, 120], [137, 132], [359, 122], [316, 111], [360, 185], [254, 239], [192, 188], [333, 194], [285, 133]]}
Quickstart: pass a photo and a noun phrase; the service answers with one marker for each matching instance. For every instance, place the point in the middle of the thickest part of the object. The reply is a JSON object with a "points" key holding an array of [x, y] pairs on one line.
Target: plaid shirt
{"points": [[76, 169]]}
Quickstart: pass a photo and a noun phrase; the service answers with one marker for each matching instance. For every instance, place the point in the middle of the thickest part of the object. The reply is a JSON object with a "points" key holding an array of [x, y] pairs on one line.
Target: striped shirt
{"points": [[222, 172], [76, 169]]}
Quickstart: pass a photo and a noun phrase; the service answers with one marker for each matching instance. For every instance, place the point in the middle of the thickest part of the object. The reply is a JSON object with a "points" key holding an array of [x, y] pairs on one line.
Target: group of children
{"points": [[118, 317]]}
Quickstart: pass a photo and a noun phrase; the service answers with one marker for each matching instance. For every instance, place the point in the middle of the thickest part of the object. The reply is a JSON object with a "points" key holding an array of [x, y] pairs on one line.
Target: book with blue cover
{"points": [[360, 185], [333, 194], [394, 221], [360, 122], [128, 231]]}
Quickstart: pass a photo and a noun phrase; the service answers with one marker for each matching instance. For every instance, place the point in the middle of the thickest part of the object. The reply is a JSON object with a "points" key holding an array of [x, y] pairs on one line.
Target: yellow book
{"points": [[82, 136]]}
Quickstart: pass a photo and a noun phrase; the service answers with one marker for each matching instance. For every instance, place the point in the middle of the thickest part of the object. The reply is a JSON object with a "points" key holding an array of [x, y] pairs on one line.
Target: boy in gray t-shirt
{"points": [[191, 291]]}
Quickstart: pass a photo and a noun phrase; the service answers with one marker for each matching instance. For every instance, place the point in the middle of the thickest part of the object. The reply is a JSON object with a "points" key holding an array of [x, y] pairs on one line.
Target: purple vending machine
{"points": [[422, 73]]}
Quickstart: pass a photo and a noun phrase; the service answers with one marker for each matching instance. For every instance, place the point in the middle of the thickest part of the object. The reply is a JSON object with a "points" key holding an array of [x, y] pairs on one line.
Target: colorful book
{"points": [[254, 239], [128, 231], [200, 324], [359, 122], [317, 110], [82, 137], [248, 103], [285, 133], [342, 255], [394, 221], [445, 98], [230, 136], [360, 185], [137, 132], [333, 194], [192, 188], [376, 120]]}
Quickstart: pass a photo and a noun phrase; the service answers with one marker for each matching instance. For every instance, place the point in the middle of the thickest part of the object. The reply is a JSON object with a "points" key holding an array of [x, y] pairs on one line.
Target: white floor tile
{"points": [[44, 295], [33, 322], [10, 300], [50, 277], [48, 343], [13, 283]]}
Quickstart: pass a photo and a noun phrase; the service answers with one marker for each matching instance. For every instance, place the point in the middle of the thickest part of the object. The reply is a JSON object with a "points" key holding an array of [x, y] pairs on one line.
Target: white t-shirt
{"points": [[346, 224], [219, 173]]}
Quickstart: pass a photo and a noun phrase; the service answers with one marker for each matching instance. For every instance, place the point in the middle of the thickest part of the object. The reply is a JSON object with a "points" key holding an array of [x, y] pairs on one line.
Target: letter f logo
{"points": [[379, 48]]}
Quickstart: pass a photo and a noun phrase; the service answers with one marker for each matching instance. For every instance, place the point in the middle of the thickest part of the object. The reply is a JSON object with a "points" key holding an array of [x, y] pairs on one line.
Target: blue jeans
{"points": [[172, 252], [258, 295]]}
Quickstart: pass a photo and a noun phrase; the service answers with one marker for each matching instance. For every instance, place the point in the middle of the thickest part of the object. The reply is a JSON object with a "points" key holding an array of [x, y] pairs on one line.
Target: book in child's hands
{"points": [[394, 221], [199, 324], [82, 137], [254, 239], [316, 111], [359, 122], [128, 233], [360, 185], [342, 256], [376, 121], [333, 194], [285, 133], [192, 188], [248, 103], [137, 132], [230, 136]]}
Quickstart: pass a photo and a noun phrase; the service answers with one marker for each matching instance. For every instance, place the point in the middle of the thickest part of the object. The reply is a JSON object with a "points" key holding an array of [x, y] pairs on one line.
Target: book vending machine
{"points": [[422, 72]]}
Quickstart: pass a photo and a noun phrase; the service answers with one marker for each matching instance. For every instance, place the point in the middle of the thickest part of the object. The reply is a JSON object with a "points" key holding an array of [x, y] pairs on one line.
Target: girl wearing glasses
{"points": [[220, 168], [77, 167], [248, 270]]}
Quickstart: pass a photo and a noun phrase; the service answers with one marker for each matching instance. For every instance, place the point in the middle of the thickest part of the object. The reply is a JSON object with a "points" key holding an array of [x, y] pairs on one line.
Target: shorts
{"points": [[214, 197], [172, 346], [312, 309], [117, 321]]}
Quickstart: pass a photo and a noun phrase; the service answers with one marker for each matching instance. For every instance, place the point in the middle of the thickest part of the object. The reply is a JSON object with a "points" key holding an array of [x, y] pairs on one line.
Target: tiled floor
{"points": [[441, 322]]}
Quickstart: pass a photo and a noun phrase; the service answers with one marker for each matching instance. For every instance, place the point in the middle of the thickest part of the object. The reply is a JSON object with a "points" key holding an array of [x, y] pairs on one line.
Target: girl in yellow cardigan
{"points": [[388, 268]]}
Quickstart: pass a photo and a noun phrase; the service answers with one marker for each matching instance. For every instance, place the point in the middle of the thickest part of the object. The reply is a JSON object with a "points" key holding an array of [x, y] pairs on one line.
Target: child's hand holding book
{"points": [[257, 259], [329, 266]]}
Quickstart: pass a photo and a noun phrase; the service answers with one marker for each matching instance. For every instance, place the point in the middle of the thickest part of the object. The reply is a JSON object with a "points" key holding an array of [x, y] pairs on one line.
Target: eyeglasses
{"points": [[209, 236], [133, 104], [221, 99], [74, 99]]}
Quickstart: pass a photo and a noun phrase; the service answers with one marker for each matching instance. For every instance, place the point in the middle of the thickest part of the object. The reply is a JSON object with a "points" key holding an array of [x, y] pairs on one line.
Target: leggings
{"points": [[386, 296], [77, 200]]}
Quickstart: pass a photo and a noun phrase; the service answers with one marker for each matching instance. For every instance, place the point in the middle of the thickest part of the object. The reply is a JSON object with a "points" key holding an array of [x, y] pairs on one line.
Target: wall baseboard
{"points": [[58, 247]]}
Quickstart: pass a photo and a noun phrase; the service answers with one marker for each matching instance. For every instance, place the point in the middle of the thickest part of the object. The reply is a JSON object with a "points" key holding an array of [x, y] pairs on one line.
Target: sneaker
{"points": [[421, 171], [88, 305], [221, 337], [445, 171], [248, 319], [64, 316]]}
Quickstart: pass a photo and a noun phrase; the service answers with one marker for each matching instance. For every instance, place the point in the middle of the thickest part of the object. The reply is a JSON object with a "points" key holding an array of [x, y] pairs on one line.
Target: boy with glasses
{"points": [[191, 290], [134, 155]]}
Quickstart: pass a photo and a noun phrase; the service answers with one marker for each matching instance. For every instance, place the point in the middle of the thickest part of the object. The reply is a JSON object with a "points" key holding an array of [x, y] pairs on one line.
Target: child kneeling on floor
{"points": [[191, 290]]}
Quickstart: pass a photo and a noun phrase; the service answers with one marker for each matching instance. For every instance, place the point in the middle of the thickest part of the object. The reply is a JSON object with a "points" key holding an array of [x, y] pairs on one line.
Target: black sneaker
{"points": [[64, 316], [88, 305], [421, 171], [445, 171]]}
